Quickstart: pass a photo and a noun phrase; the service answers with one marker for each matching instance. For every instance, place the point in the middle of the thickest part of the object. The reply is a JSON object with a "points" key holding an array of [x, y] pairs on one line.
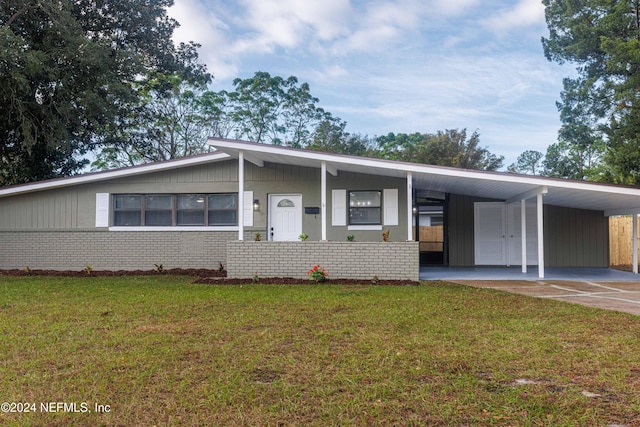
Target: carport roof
{"points": [[612, 199]]}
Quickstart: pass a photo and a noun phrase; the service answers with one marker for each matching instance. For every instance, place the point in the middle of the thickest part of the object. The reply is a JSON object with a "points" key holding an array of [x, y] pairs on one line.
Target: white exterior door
{"points": [[498, 234], [514, 234], [285, 217], [489, 233]]}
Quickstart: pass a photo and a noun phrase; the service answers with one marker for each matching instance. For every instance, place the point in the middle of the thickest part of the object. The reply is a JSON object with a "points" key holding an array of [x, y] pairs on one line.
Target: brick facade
{"points": [[344, 260], [102, 250]]}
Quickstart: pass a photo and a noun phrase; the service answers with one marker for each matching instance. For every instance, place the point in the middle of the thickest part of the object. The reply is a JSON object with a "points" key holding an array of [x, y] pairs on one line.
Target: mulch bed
{"points": [[200, 272], [205, 276], [292, 281]]}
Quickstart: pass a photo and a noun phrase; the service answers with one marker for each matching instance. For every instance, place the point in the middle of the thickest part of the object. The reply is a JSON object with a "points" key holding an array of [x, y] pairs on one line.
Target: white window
{"points": [[158, 210], [127, 210], [223, 209], [365, 208], [170, 210]]}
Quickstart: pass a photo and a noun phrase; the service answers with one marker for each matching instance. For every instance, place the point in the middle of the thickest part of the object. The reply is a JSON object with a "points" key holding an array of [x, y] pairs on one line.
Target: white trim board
{"points": [[208, 228]]}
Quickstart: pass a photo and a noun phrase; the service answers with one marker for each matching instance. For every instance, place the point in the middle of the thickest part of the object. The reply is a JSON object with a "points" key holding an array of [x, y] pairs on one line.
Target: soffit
{"points": [[493, 185]]}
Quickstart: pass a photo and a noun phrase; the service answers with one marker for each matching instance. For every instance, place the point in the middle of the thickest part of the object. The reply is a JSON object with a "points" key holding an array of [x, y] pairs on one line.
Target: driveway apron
{"points": [[618, 296]]}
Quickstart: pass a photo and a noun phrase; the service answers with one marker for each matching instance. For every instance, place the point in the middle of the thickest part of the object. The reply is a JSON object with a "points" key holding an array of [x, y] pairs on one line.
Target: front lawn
{"points": [[159, 350]]}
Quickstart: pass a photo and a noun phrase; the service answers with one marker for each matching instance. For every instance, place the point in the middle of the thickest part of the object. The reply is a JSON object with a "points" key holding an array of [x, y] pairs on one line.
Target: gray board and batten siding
{"points": [[55, 228], [572, 237], [73, 208], [38, 230]]}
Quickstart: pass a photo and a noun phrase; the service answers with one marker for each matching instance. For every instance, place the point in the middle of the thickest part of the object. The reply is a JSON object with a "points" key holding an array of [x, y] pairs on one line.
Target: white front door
{"points": [[285, 217]]}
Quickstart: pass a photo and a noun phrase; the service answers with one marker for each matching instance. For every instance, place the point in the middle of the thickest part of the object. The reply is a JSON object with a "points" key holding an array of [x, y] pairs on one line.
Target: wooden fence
{"points": [[621, 241], [431, 238]]}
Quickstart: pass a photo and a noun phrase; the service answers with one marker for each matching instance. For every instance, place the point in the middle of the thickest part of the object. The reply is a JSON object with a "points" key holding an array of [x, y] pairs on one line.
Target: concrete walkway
{"points": [[599, 287]]}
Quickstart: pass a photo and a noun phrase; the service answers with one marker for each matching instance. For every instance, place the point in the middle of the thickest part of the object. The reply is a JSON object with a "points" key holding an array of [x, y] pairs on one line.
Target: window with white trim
{"points": [[365, 208], [170, 210], [127, 210], [158, 210], [223, 209]]}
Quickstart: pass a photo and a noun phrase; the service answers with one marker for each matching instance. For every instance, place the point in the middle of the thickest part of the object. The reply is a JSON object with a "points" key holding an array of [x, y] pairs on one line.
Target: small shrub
{"points": [[375, 280], [255, 278], [88, 269], [27, 270], [303, 236], [317, 274], [351, 238], [385, 235], [258, 237], [220, 266], [159, 268]]}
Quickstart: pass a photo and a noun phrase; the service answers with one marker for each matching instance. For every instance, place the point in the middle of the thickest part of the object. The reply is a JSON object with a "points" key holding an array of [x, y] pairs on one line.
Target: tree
{"points": [[167, 124], [217, 114], [173, 118], [602, 38], [330, 136], [444, 148], [271, 109], [70, 74], [258, 101], [573, 161], [528, 163], [395, 146]]}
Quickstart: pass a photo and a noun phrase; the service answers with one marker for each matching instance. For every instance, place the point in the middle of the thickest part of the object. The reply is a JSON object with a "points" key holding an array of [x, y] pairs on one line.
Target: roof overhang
{"points": [[112, 174], [611, 199]]}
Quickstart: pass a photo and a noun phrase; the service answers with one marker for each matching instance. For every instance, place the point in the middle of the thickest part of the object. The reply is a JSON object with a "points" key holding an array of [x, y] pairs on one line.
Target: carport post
{"points": [[323, 199], [410, 206], [523, 233], [539, 209], [241, 195], [634, 227]]}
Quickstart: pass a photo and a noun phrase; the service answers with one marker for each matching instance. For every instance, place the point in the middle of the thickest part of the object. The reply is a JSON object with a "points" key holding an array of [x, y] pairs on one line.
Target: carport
{"points": [[525, 192]]}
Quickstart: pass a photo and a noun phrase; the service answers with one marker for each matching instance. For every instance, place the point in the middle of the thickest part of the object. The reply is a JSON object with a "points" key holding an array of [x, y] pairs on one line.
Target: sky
{"points": [[399, 66]]}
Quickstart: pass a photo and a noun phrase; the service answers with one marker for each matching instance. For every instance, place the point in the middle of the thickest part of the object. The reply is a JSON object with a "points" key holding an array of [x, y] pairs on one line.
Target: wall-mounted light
{"points": [[256, 204]]}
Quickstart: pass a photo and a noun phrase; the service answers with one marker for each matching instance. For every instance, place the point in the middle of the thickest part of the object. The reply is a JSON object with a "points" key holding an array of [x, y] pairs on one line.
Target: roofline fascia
{"points": [[420, 168], [112, 174]]}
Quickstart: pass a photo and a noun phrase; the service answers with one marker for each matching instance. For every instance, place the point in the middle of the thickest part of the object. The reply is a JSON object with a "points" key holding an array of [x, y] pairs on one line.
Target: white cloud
{"points": [[394, 65], [291, 23], [381, 26], [199, 24], [526, 13], [332, 72], [454, 7], [509, 97]]}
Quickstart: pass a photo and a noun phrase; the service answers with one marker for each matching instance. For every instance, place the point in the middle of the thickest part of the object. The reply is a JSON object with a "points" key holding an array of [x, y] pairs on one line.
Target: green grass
{"points": [[162, 351]]}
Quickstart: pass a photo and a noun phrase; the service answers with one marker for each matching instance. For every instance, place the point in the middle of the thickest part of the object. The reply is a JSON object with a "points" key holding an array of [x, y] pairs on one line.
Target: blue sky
{"points": [[395, 65]]}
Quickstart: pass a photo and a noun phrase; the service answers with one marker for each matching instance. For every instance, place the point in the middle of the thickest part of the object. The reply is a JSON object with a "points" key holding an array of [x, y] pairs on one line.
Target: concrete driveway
{"points": [[618, 295]]}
